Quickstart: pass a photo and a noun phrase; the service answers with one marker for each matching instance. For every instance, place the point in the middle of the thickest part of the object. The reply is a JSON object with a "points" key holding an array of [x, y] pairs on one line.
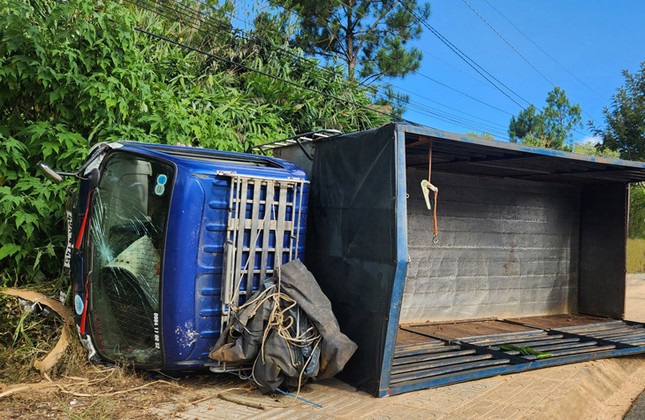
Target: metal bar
{"points": [[523, 343], [548, 349], [227, 283], [430, 161], [398, 176], [401, 358], [636, 343], [266, 229], [420, 344], [628, 337], [234, 226], [308, 137], [255, 231], [506, 340], [300, 188], [234, 174], [404, 370], [288, 224], [618, 332], [448, 369], [417, 360], [241, 204], [559, 353], [479, 338], [590, 327], [279, 231], [424, 350], [554, 341]]}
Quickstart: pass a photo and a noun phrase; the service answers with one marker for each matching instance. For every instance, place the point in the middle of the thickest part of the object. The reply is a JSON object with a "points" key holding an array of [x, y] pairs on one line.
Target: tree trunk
{"points": [[349, 41]]}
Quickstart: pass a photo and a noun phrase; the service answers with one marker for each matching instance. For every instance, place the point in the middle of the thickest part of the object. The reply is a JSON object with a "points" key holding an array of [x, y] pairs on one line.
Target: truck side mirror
{"points": [[50, 173]]}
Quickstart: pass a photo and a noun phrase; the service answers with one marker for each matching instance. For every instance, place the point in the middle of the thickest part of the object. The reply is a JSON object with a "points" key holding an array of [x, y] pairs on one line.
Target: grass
{"points": [[27, 337], [636, 255]]}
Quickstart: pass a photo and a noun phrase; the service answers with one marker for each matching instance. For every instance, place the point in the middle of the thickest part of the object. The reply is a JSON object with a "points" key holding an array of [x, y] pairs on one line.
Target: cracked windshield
{"points": [[129, 212]]}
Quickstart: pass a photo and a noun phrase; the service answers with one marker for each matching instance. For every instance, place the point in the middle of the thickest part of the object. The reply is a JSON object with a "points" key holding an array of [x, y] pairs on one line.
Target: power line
{"points": [[449, 107], [163, 9], [508, 43], [462, 93], [515, 49], [544, 51], [463, 122], [472, 63], [263, 73]]}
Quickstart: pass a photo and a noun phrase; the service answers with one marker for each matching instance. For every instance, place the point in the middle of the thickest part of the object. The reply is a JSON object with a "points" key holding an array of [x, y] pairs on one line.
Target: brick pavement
{"points": [[598, 389]]}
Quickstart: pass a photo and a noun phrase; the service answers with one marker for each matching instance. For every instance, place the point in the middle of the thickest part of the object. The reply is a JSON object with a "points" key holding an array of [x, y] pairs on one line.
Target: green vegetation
{"points": [[370, 37], [625, 119], [550, 127], [76, 73], [636, 255]]}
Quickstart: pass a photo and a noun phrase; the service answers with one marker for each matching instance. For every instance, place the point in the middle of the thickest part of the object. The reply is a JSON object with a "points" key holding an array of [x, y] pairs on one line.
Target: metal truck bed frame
{"points": [[438, 354]]}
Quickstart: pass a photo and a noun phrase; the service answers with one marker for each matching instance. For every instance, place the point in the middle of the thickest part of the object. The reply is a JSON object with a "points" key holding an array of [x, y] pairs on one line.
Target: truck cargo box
{"points": [[526, 269]]}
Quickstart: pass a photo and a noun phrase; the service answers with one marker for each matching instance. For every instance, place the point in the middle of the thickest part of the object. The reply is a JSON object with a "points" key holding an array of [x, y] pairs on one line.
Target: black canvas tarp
{"points": [[351, 240]]}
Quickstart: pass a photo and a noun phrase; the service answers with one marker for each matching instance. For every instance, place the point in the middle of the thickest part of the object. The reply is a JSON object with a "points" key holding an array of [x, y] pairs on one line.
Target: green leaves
{"points": [[76, 73], [370, 38], [550, 127], [625, 119], [7, 250]]}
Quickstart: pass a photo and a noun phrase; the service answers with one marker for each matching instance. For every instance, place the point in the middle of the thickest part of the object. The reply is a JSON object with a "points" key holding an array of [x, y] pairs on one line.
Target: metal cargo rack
{"points": [[262, 233], [298, 139]]}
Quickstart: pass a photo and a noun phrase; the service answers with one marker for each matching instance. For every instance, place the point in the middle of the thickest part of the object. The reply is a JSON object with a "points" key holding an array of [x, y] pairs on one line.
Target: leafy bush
{"points": [[77, 72]]}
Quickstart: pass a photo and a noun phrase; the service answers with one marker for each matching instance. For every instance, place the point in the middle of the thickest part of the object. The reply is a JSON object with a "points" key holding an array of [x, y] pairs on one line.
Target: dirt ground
{"points": [[601, 389]]}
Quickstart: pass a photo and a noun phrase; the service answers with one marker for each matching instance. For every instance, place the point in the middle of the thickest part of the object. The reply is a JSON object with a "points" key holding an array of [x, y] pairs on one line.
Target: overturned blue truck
{"points": [[445, 258]]}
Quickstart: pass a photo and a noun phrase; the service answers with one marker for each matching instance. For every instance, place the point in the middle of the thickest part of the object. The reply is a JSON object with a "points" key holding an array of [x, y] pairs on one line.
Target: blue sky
{"points": [[587, 43], [592, 42]]}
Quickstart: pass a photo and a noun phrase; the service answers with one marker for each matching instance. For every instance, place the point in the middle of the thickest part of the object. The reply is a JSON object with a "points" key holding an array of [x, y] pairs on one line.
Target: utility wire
{"points": [[515, 49], [508, 43], [472, 63], [449, 107], [166, 11], [544, 51], [263, 73], [462, 93]]}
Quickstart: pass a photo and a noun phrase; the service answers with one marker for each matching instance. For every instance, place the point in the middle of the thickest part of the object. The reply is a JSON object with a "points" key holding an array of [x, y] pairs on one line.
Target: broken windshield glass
{"points": [[129, 212]]}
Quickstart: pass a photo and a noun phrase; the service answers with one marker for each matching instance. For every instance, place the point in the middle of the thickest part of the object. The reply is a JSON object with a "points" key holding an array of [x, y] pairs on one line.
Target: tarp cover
{"points": [[352, 243], [254, 337]]}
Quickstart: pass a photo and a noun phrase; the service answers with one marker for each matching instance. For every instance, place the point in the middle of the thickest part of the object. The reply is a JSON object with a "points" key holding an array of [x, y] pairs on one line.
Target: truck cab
{"points": [[165, 240]]}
